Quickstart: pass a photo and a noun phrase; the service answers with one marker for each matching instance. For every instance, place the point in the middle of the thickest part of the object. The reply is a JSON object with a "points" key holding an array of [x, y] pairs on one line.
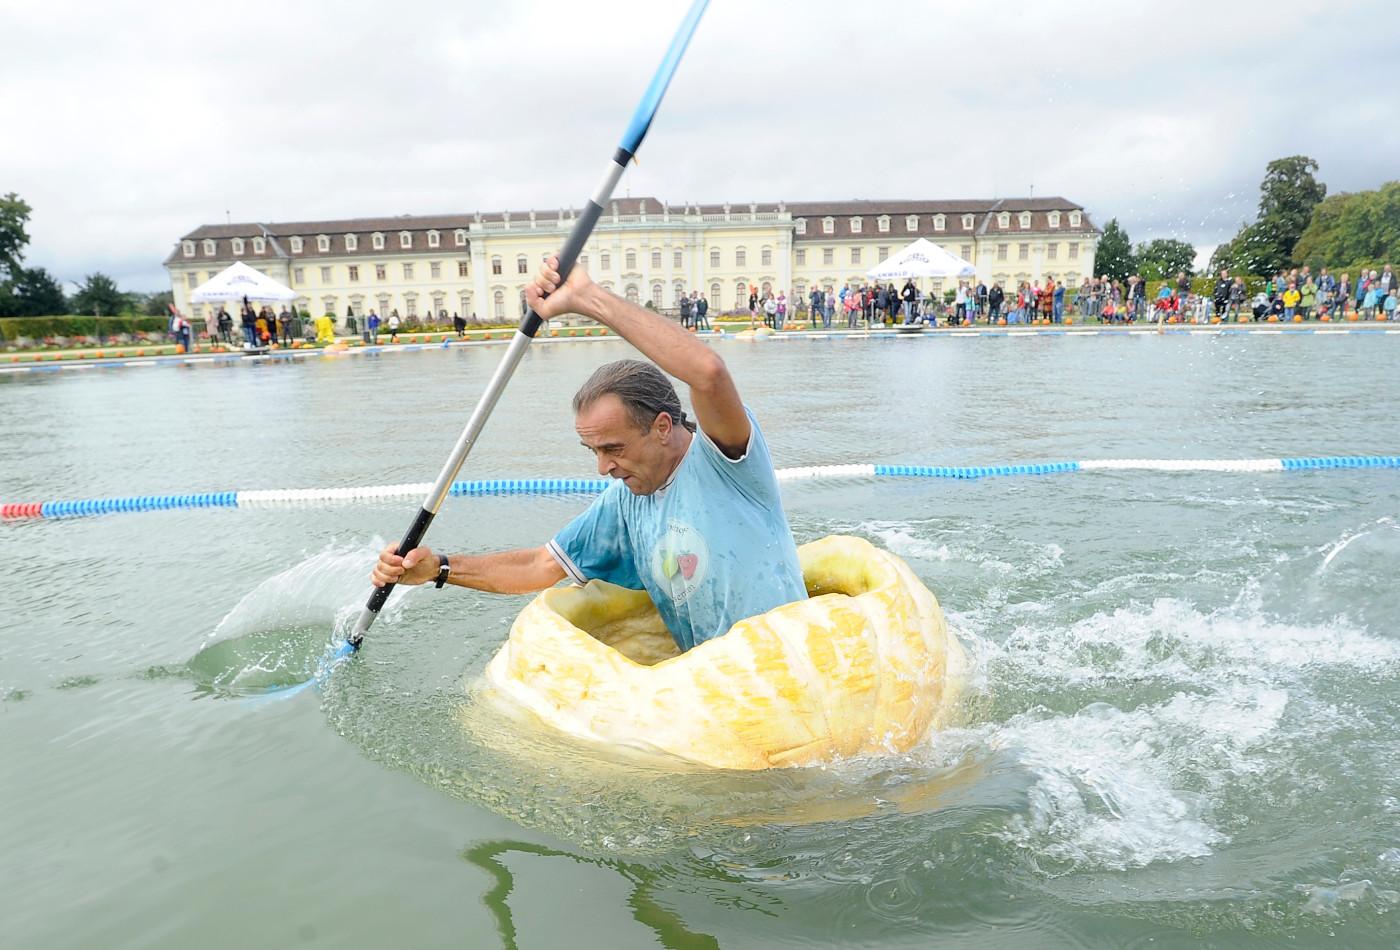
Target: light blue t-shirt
{"points": [[711, 547]]}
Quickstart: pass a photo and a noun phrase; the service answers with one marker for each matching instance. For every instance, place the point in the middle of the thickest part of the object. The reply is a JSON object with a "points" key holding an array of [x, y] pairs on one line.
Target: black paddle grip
{"points": [[409, 542]]}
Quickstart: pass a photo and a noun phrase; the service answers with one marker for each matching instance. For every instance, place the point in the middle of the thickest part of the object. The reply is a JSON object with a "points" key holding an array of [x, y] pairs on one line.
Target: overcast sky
{"points": [[126, 125]]}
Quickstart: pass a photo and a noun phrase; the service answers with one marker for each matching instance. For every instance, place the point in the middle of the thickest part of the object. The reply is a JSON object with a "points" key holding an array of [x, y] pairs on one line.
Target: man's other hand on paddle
{"points": [[416, 567]]}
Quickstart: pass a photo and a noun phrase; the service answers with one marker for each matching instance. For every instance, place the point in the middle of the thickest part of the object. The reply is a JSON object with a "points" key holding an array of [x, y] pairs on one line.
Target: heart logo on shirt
{"points": [[687, 563]]}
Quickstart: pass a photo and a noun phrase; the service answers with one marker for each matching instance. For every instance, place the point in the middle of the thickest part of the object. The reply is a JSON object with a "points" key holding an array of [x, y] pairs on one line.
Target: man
{"points": [[702, 313], [995, 298], [814, 305], [692, 516], [907, 295], [685, 311], [1223, 287]]}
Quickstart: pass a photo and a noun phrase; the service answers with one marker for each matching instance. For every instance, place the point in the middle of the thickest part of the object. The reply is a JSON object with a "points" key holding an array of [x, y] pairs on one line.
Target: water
{"points": [[1184, 730]]}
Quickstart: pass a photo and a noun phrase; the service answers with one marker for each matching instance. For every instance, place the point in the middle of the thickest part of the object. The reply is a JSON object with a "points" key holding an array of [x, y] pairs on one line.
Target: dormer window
{"points": [[259, 245], [1074, 219], [434, 239], [237, 247], [187, 247], [352, 242], [376, 241], [856, 225], [801, 225], [1053, 219], [1004, 220], [405, 239], [967, 222], [296, 244], [461, 237], [1025, 220], [323, 243], [883, 223], [939, 222], [828, 225]]}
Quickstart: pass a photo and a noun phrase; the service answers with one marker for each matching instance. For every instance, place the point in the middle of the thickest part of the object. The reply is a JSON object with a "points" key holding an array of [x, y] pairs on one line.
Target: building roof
{"points": [[984, 222]]}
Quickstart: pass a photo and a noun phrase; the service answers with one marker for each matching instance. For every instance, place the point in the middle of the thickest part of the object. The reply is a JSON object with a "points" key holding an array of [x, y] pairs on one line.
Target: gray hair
{"points": [[645, 392]]}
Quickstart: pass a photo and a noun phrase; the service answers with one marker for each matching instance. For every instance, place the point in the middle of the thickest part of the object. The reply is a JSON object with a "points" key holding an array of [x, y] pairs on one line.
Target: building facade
{"points": [[642, 249]]}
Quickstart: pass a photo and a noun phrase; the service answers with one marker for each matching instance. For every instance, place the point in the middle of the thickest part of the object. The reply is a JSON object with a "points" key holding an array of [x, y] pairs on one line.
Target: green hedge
{"points": [[36, 328]]}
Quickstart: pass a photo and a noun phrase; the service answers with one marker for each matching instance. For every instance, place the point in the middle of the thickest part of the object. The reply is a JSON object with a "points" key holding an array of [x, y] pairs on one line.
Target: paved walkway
{"points": [[59, 360]]}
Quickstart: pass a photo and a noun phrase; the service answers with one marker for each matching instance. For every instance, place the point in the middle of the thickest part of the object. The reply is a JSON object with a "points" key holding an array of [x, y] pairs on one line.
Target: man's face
{"points": [[640, 458]]}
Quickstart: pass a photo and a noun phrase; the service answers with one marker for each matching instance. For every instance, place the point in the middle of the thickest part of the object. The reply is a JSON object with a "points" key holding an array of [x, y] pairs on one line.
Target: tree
{"points": [[1351, 229], [14, 214], [1164, 258], [1114, 257], [1287, 196], [99, 296], [37, 294], [158, 304]]}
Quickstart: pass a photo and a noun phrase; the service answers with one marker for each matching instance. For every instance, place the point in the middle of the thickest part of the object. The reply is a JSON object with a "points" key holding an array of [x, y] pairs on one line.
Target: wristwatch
{"points": [[444, 569]]}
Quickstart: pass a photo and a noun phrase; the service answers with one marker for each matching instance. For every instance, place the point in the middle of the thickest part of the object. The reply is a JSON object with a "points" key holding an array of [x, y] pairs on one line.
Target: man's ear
{"points": [[663, 425]]}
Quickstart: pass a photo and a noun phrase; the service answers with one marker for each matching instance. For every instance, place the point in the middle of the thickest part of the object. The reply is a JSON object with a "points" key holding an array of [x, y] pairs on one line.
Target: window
{"points": [[801, 253], [192, 279], [434, 239], [384, 303], [376, 241], [328, 305], [765, 257], [715, 291], [1053, 219], [379, 272], [496, 266], [656, 292], [405, 239], [967, 252], [939, 222], [801, 225], [323, 243], [911, 222], [298, 275], [435, 269], [296, 244], [410, 305], [522, 264], [882, 252], [630, 260], [604, 261], [325, 275], [856, 224], [1074, 252], [259, 245], [1001, 251], [676, 259], [354, 273], [741, 257], [408, 272], [828, 255], [498, 305], [631, 294], [1052, 252], [714, 257], [1074, 219], [656, 258], [1023, 252], [463, 269], [828, 225], [583, 261], [460, 235], [1004, 220], [1025, 220], [741, 295], [855, 255], [187, 248], [678, 289], [237, 247], [352, 242], [883, 223], [437, 304]]}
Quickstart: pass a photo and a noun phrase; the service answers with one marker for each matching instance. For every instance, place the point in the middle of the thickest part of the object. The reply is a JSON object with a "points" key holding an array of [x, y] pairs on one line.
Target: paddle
{"points": [[530, 325]]}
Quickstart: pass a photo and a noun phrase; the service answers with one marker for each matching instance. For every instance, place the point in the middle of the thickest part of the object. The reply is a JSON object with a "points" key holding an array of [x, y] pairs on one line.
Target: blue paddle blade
{"points": [[651, 99], [336, 654]]}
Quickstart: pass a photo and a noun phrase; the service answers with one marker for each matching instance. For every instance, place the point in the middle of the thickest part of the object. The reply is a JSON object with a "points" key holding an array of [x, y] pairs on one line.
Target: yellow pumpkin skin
{"points": [[864, 666]]}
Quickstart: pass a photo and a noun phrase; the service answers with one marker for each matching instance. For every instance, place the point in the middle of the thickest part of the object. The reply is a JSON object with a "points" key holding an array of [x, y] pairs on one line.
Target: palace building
{"points": [[642, 249]]}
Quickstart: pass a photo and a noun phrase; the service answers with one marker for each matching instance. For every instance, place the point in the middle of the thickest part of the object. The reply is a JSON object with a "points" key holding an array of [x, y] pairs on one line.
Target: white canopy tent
{"points": [[923, 258], [237, 281]]}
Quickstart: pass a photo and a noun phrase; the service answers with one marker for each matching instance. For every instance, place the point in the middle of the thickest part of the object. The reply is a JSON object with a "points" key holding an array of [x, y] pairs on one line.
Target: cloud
{"points": [[127, 125]]}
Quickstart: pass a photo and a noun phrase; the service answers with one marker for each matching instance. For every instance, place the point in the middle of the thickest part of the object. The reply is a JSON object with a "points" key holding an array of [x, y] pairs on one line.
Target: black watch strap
{"points": [[444, 569]]}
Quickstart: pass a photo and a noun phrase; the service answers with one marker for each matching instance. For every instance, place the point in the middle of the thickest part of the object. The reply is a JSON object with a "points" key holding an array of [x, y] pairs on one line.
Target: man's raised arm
{"points": [[718, 409]]}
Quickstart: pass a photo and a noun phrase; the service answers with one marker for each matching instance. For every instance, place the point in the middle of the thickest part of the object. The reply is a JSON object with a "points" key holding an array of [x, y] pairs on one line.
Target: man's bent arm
{"points": [[522, 571], [718, 408]]}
